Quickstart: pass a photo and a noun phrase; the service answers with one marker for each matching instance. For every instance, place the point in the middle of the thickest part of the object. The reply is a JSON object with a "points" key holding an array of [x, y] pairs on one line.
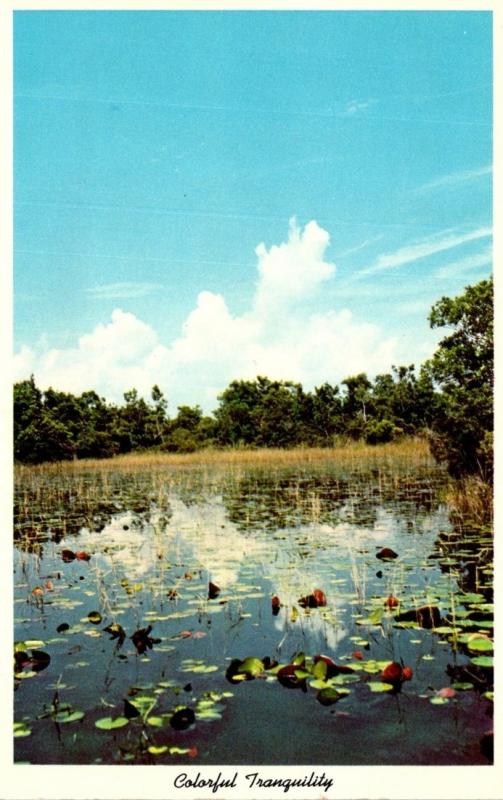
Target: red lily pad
{"points": [[386, 553], [213, 590], [316, 599]]}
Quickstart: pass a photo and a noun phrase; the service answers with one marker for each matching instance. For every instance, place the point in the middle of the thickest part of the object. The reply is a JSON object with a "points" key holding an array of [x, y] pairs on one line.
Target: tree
{"points": [[463, 370], [356, 404]]}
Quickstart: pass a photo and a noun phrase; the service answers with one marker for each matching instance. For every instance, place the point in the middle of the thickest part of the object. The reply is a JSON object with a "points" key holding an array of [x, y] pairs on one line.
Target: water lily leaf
{"points": [[39, 660], [116, 631], [182, 718], [375, 616], [320, 670], [462, 686], [386, 554], [471, 597], [380, 686], [340, 680], [252, 666], [317, 683], [63, 627], [438, 701], [130, 710], [94, 617], [208, 714], [68, 716], [489, 696], [142, 639], [213, 591], [158, 750], [21, 729], [328, 696], [111, 723], [480, 645], [157, 722], [482, 661]]}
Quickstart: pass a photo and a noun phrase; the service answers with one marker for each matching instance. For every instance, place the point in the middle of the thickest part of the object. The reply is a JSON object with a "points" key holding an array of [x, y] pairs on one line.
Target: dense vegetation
{"points": [[450, 399]]}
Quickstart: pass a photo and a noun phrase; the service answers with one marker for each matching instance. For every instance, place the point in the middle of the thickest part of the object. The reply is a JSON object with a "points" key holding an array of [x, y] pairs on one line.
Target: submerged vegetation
{"points": [[318, 563]]}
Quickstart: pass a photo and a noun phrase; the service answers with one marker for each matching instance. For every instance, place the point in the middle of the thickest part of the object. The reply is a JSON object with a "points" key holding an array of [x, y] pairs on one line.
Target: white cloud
{"points": [[404, 255], [467, 264], [446, 181], [354, 106], [278, 336], [126, 289]]}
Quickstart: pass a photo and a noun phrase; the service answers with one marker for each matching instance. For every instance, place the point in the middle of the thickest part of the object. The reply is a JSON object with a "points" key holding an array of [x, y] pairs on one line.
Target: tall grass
{"points": [[471, 501], [410, 451]]}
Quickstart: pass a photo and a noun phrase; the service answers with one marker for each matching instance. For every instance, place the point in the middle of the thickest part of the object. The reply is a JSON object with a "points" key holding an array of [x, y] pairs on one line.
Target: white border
{"points": [[27, 782]]}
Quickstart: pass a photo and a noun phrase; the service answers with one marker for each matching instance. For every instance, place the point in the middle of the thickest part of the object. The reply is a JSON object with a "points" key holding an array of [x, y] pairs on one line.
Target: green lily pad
{"points": [[482, 661], [328, 696], [320, 670], [111, 723], [471, 597], [21, 729], [439, 701], [158, 750], [318, 684], [380, 686], [480, 645], [63, 717], [94, 617], [251, 666], [462, 686]]}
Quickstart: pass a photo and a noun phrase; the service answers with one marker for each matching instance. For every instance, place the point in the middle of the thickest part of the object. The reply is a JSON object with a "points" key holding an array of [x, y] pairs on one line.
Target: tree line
{"points": [[449, 399]]}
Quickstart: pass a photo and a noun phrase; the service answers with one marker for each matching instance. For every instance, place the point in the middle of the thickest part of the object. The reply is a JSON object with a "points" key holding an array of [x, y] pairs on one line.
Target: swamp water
{"points": [[186, 560]]}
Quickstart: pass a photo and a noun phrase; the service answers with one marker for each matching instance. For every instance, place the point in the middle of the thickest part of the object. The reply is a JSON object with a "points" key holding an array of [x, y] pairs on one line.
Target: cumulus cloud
{"points": [[279, 336]]}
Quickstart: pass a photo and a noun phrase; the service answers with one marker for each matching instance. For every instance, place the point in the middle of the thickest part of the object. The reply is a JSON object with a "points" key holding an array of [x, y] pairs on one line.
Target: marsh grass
{"points": [[471, 502], [414, 451]]}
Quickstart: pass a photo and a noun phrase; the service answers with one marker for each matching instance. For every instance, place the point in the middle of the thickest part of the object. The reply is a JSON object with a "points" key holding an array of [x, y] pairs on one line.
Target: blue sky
{"points": [[201, 196]]}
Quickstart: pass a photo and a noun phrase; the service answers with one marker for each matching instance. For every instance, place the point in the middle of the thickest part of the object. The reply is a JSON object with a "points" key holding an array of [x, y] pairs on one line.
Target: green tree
{"points": [[463, 370], [356, 404]]}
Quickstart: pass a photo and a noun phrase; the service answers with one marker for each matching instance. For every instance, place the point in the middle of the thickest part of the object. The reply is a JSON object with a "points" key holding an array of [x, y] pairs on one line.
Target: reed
{"points": [[471, 501], [412, 451]]}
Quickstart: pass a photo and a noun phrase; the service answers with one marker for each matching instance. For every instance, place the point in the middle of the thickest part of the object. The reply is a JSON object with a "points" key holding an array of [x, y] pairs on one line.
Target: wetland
{"points": [[304, 607]]}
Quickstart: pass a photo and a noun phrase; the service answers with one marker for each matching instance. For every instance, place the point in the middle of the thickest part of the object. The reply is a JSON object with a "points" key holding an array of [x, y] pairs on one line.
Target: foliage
{"points": [[450, 398], [463, 370]]}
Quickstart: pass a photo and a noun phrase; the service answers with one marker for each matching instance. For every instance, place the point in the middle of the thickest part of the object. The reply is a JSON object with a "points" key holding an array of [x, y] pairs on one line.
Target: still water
{"points": [[187, 561]]}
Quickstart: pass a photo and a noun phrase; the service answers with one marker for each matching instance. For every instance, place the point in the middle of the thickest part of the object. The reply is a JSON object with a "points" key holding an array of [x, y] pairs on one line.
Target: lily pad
{"points": [[94, 617], [380, 686], [328, 696], [63, 717], [158, 750], [21, 729], [483, 661], [111, 723], [182, 718], [480, 645]]}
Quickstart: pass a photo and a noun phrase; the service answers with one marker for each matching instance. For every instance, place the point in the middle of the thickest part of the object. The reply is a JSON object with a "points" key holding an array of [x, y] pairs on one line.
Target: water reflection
{"points": [[156, 542]]}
